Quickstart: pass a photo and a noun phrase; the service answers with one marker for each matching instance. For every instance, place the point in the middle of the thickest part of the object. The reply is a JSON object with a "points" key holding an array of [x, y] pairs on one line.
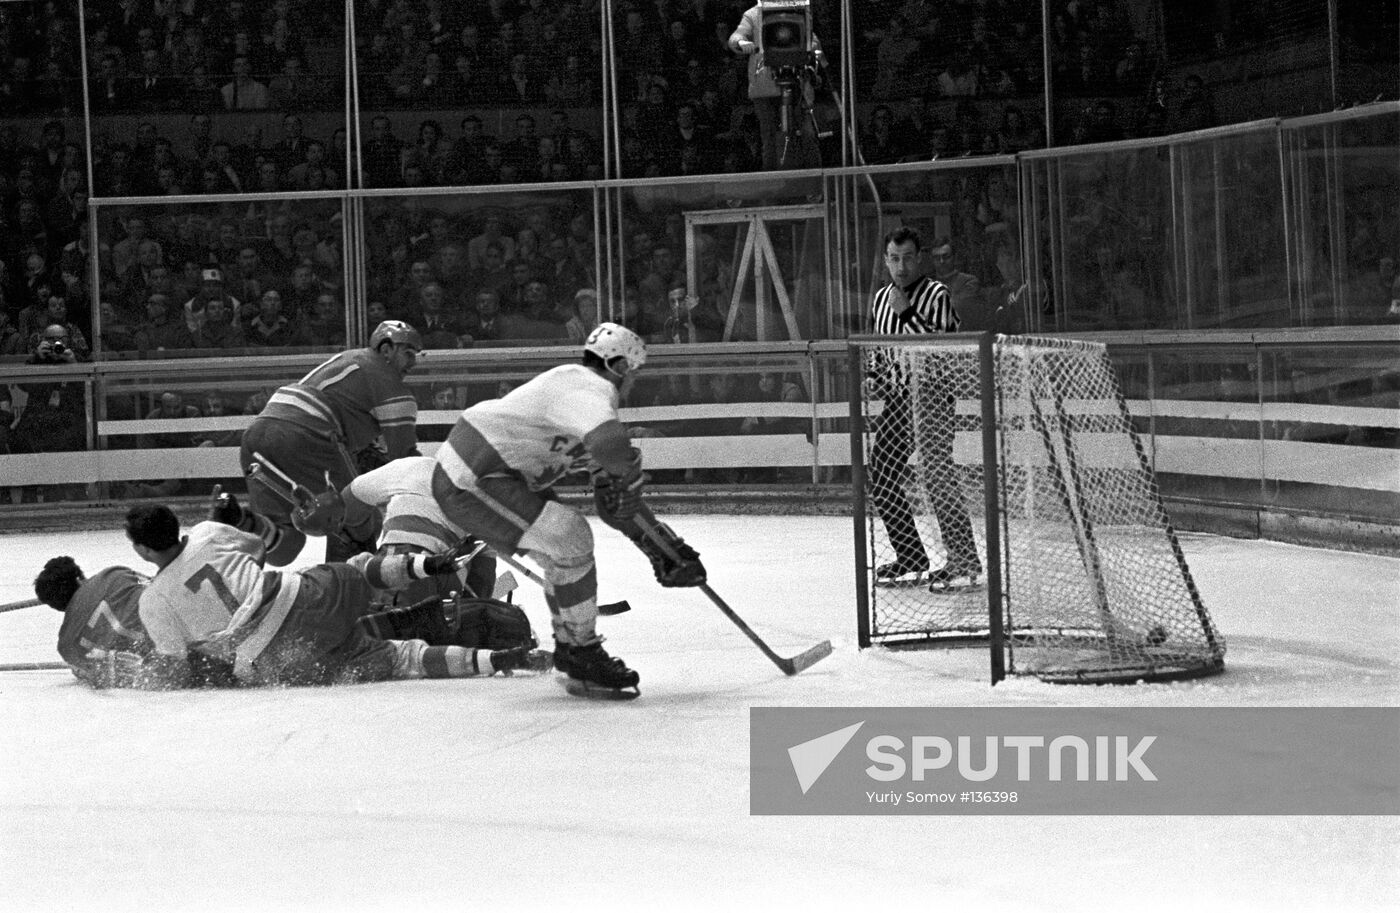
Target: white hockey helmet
{"points": [[397, 332], [609, 341]]}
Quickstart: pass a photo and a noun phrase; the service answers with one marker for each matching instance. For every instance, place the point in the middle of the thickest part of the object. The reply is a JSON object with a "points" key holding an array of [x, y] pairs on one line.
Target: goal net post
{"points": [[1025, 446]]}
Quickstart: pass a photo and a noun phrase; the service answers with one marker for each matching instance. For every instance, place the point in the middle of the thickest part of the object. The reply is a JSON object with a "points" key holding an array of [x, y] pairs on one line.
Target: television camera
{"points": [[785, 38]]}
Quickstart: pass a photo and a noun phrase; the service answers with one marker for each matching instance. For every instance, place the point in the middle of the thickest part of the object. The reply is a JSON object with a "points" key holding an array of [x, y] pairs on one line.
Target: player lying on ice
{"points": [[494, 476], [212, 615]]}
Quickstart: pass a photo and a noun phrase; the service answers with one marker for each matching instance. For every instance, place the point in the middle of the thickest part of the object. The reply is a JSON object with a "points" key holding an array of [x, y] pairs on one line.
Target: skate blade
{"points": [[948, 589], [597, 692], [912, 583]]}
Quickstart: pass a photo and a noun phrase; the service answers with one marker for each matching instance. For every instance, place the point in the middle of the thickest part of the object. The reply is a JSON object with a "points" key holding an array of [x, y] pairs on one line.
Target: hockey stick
{"points": [[607, 608], [806, 659], [31, 667], [22, 604], [279, 483]]}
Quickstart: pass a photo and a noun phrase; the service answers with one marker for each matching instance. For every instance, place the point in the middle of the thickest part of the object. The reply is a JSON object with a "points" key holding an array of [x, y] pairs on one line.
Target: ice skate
{"points": [[900, 573], [954, 576], [591, 672]]}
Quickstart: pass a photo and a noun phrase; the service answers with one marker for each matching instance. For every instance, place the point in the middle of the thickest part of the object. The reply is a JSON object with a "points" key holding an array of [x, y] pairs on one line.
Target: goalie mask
{"points": [[321, 515], [610, 341]]}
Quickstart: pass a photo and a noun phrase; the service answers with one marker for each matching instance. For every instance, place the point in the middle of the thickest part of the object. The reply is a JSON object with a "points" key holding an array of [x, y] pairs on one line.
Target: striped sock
{"points": [[455, 662]]}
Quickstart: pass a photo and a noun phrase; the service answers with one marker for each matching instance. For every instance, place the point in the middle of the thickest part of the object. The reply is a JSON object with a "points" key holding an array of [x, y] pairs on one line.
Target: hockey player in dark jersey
{"points": [[102, 639], [329, 426]]}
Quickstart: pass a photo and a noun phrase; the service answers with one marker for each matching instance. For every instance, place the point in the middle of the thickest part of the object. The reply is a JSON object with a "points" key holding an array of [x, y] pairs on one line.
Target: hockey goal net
{"points": [[1030, 440]]}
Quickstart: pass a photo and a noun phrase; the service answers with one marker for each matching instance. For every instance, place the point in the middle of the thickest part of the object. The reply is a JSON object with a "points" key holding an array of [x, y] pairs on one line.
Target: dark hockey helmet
{"points": [[396, 332]]}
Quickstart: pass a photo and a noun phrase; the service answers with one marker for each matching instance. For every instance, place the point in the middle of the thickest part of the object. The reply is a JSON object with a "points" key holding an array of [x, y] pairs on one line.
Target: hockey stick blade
{"points": [[606, 608], [22, 604], [807, 658], [789, 666]]}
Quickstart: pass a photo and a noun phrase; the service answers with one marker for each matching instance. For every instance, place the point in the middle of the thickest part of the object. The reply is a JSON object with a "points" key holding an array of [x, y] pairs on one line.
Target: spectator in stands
{"points": [[879, 144], [493, 273], [897, 58], [1196, 110], [487, 325], [250, 277], [270, 328], [325, 325], [201, 93], [211, 286], [172, 407], [54, 415], [1014, 134], [491, 233], [290, 88], [404, 303], [118, 334], [221, 329], [442, 327], [1132, 72], [964, 288], [571, 85], [151, 91], [243, 93], [584, 316], [73, 341], [12, 342], [221, 163], [1099, 124], [108, 92], [381, 154], [125, 251]]}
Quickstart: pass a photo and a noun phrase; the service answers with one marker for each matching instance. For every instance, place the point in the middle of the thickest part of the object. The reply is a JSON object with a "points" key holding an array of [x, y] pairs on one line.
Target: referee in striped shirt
{"points": [[914, 304]]}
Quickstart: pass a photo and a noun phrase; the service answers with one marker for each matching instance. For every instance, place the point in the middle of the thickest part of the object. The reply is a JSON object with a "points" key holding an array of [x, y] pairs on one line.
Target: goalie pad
{"points": [[487, 624]]}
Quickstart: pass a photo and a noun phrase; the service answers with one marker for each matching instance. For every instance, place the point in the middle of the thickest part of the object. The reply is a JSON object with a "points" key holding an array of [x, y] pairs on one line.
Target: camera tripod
{"points": [[791, 111]]}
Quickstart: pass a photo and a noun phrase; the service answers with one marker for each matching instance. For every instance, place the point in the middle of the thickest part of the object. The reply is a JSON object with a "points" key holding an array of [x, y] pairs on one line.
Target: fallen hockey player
{"points": [[212, 615]]}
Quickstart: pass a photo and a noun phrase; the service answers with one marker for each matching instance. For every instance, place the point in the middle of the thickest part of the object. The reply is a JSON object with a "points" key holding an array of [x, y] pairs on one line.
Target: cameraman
{"points": [[767, 96]]}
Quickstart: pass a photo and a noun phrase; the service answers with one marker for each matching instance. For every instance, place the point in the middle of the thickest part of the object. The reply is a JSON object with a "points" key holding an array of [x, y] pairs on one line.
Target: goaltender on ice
{"points": [[494, 476]]}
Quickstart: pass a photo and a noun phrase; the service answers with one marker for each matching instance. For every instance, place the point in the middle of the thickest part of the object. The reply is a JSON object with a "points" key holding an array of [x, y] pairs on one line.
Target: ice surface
{"points": [[508, 794]]}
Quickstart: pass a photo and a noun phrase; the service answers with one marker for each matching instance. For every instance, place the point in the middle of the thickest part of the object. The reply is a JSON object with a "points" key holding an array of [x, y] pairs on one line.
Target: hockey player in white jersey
{"points": [[212, 594], [394, 505], [494, 474]]}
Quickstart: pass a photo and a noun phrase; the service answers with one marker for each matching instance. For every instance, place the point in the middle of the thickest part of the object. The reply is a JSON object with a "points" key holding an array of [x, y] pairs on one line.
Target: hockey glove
{"points": [[225, 508], [683, 570], [446, 563], [618, 498]]}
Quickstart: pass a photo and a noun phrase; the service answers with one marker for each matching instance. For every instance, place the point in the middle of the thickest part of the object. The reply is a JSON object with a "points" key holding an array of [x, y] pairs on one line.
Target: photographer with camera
{"points": [[61, 341], [53, 416], [783, 64]]}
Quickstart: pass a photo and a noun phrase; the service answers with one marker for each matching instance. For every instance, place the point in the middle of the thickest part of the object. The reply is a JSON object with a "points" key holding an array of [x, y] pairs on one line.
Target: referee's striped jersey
{"points": [[929, 310]]}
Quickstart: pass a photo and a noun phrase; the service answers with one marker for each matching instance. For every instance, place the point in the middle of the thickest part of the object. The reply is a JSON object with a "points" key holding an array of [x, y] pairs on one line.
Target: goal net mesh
{"points": [[1094, 584]]}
